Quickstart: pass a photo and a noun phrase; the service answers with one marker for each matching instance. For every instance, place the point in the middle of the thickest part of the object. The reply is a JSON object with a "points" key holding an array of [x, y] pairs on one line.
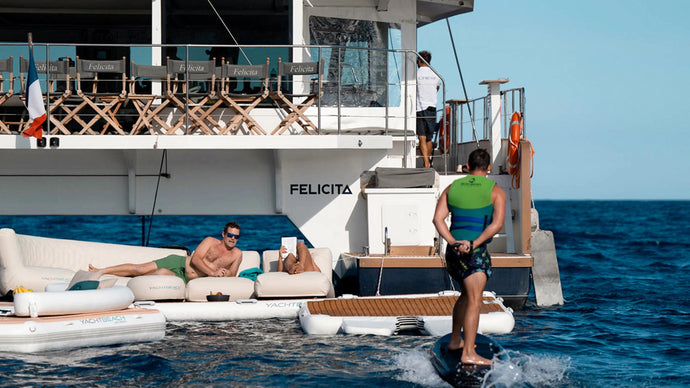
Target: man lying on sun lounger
{"points": [[292, 264], [213, 257]]}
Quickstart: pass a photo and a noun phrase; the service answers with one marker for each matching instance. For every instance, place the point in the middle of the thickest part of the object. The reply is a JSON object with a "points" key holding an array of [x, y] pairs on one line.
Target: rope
{"points": [[361, 190], [229, 33], [164, 158], [378, 285], [516, 176], [457, 61]]}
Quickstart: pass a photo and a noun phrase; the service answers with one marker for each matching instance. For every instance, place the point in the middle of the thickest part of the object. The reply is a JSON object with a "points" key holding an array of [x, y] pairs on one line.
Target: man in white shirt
{"points": [[428, 84]]}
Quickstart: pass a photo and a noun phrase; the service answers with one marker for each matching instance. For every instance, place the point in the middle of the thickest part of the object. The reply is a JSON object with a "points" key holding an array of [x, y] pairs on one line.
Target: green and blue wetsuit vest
{"points": [[469, 201]]}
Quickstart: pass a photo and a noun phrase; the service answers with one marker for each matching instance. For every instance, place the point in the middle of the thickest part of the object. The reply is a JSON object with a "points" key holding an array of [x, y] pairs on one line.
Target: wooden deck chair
{"points": [[196, 96], [57, 75], [5, 94], [289, 101], [143, 102], [102, 104], [242, 102]]}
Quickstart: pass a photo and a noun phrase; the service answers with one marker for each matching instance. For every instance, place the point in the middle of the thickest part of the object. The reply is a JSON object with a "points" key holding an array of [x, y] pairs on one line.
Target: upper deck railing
{"points": [[512, 100], [103, 89], [470, 123], [185, 90]]}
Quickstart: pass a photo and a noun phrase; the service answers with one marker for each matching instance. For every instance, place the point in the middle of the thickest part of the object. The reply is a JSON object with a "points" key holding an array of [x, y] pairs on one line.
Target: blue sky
{"points": [[607, 87]]}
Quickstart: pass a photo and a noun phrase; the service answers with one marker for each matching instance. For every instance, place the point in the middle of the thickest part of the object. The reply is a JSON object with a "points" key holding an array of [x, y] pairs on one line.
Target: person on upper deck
{"points": [[477, 207], [292, 264], [428, 84], [213, 257]]}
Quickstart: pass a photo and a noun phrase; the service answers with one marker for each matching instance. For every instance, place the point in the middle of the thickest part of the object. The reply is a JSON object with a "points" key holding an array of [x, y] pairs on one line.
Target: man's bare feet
{"points": [[475, 360], [93, 269], [453, 348]]}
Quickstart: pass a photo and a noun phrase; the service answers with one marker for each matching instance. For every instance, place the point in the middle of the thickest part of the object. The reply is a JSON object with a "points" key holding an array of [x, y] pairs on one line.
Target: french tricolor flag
{"points": [[34, 101]]}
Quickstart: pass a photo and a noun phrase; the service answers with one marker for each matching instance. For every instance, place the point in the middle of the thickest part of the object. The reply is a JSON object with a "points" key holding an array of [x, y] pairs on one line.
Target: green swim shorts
{"points": [[175, 263]]}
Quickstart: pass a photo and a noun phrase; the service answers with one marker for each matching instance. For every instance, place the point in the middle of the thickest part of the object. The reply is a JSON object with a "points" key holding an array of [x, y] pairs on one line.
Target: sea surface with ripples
{"points": [[625, 272]]}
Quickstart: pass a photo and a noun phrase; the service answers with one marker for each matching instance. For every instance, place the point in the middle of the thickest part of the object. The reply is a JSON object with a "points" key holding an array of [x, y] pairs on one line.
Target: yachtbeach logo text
{"points": [[282, 304], [319, 189], [168, 287], [114, 318]]}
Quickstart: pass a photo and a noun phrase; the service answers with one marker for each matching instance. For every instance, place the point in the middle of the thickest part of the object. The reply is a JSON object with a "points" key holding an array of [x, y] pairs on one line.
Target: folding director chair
{"points": [[242, 103], [103, 105], [294, 109], [199, 102], [143, 102]]}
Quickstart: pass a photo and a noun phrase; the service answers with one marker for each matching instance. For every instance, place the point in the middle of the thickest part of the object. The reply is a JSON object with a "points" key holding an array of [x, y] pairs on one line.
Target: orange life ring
{"points": [[513, 143], [443, 132]]}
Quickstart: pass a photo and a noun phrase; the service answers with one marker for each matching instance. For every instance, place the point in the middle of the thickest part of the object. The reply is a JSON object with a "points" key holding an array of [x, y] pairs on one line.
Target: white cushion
{"points": [[237, 288], [76, 255], [157, 287], [15, 272], [250, 259], [284, 285]]}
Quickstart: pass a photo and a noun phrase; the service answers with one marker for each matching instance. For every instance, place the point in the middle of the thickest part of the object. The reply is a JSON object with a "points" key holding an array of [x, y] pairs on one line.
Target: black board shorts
{"points": [[460, 266], [426, 122]]}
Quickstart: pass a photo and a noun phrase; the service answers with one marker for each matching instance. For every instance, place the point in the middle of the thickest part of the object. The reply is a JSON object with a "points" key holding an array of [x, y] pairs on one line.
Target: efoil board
{"points": [[452, 370]]}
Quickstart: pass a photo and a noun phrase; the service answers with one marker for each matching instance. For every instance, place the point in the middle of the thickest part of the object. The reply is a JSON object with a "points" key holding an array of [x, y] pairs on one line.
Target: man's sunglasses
{"points": [[235, 236]]}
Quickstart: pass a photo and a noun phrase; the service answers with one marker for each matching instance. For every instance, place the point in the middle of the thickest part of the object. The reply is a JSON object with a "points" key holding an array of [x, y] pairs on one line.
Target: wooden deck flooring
{"points": [[393, 307]]}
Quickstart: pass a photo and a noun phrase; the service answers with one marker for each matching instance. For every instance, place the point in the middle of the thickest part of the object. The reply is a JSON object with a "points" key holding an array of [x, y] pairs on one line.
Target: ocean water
{"points": [[625, 272]]}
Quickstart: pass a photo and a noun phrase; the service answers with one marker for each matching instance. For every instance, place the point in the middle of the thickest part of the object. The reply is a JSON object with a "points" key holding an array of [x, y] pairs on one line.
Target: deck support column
{"points": [[278, 181], [156, 38], [494, 96]]}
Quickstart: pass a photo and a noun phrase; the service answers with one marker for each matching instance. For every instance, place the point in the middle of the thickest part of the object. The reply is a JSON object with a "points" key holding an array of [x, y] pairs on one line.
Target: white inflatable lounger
{"points": [[35, 304]]}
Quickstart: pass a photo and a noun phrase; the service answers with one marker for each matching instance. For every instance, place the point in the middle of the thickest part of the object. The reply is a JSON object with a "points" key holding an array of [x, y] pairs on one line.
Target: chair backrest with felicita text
{"points": [[56, 74], [303, 95], [197, 77], [107, 77]]}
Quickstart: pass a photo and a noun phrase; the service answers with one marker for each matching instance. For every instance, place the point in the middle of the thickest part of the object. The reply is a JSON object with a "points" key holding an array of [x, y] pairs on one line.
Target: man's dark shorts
{"points": [[462, 266], [175, 263], [426, 122]]}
